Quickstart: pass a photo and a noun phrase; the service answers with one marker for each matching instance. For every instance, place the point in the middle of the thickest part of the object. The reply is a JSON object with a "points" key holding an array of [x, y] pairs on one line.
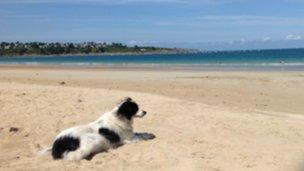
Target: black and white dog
{"points": [[112, 129]]}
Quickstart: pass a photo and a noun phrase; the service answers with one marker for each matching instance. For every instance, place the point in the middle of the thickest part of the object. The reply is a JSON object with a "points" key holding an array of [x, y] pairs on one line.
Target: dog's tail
{"points": [[46, 151]]}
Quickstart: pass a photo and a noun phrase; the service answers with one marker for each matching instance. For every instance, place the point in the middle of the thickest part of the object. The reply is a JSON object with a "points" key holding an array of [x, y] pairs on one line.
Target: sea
{"points": [[264, 60]]}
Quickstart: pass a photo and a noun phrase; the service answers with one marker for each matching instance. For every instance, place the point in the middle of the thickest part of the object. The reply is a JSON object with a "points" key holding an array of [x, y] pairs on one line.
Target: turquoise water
{"points": [[282, 59]]}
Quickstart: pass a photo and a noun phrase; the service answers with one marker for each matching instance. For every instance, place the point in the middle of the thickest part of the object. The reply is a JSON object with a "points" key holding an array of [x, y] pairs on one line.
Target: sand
{"points": [[202, 120]]}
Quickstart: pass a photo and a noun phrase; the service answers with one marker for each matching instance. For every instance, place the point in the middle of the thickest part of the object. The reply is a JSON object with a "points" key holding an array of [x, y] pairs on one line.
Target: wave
{"points": [[160, 64], [290, 66]]}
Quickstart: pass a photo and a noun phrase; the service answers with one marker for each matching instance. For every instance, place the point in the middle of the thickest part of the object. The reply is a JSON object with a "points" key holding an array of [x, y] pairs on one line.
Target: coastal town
{"points": [[57, 48]]}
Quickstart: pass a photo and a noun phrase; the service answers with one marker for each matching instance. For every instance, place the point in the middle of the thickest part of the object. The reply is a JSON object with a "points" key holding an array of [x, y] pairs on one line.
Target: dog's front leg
{"points": [[128, 141]]}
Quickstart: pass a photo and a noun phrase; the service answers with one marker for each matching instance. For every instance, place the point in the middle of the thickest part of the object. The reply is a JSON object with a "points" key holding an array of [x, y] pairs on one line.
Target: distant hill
{"points": [[42, 48]]}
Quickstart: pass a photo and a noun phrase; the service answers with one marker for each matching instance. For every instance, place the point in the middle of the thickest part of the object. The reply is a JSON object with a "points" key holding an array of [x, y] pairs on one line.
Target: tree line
{"points": [[42, 48]]}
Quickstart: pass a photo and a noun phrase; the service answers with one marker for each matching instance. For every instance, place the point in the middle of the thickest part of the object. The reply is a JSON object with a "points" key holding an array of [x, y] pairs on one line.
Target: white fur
{"points": [[91, 142]]}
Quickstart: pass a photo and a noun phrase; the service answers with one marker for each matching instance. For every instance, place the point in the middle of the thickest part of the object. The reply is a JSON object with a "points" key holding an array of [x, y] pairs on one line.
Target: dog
{"points": [[111, 130]]}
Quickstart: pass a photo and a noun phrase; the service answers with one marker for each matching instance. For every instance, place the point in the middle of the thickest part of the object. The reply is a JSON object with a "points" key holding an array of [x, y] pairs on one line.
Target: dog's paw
{"points": [[74, 156], [127, 141]]}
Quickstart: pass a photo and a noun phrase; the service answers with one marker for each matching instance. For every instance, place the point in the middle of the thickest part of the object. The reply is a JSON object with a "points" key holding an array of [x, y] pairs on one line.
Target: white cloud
{"points": [[293, 37], [234, 20], [232, 17], [266, 39]]}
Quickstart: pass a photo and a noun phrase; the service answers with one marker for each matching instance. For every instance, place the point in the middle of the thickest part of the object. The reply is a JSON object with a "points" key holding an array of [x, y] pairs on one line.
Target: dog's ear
{"points": [[125, 99], [127, 109]]}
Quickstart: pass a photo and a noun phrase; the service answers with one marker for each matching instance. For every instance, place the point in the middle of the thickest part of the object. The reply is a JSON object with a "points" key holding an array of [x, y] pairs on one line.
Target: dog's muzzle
{"points": [[141, 114]]}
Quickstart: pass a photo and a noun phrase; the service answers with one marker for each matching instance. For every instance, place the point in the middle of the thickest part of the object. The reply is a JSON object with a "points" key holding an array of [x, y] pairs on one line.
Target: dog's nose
{"points": [[144, 112]]}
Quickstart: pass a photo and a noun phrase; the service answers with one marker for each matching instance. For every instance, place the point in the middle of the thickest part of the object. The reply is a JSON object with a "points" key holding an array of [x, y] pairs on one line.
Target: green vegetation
{"points": [[41, 48]]}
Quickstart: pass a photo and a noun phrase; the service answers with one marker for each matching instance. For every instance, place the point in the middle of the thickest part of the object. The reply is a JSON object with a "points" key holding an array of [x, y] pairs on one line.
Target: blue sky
{"points": [[203, 24]]}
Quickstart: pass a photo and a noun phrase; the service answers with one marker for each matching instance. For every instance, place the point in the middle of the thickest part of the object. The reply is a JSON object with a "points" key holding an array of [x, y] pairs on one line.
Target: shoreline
{"points": [[162, 67]]}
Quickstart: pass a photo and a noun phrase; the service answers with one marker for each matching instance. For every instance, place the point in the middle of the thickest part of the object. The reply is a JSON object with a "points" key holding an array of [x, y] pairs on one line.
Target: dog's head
{"points": [[129, 109]]}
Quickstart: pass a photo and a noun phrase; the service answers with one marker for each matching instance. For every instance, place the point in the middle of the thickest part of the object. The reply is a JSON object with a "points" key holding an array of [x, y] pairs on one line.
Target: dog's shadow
{"points": [[142, 136]]}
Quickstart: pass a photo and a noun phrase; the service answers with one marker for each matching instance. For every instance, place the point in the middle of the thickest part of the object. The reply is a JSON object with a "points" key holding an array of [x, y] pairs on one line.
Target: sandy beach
{"points": [[202, 120]]}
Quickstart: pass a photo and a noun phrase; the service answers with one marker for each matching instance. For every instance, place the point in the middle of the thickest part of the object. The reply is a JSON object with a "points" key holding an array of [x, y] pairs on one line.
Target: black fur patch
{"points": [[128, 109], [110, 135], [64, 144]]}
